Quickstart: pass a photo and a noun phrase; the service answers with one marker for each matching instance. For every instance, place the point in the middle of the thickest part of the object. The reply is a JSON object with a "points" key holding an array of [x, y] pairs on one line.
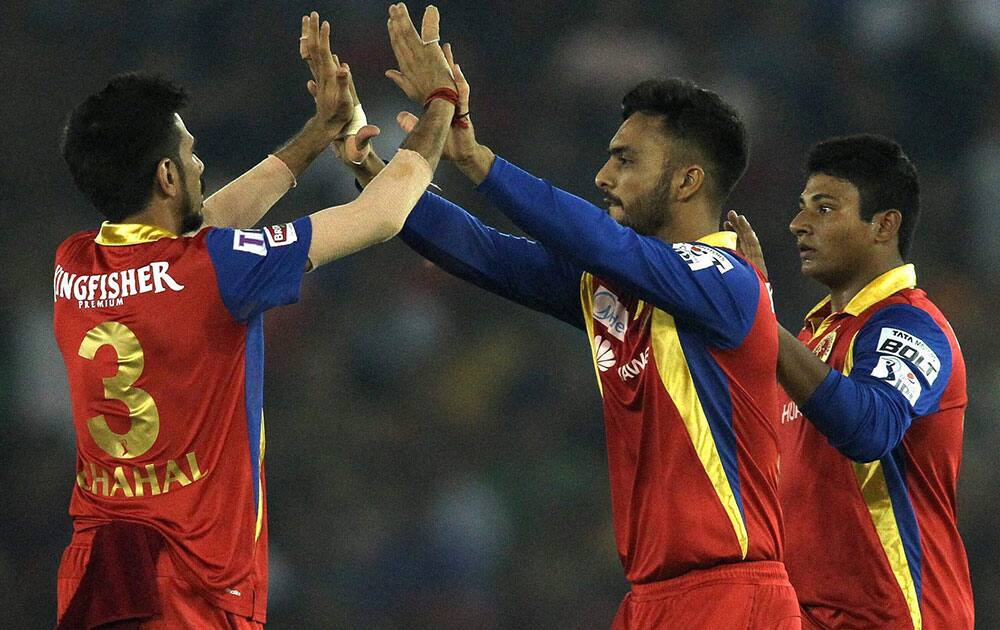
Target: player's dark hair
{"points": [[699, 118], [114, 140], [878, 168]]}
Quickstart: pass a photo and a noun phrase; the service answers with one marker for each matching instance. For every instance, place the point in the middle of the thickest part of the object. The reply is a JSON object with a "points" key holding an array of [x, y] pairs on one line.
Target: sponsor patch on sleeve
{"points": [[279, 235], [906, 346], [700, 257], [895, 372], [611, 312], [250, 241]]}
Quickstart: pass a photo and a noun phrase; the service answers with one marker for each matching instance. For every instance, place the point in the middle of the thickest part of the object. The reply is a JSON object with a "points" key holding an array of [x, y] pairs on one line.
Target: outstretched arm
{"points": [[379, 213], [245, 200]]}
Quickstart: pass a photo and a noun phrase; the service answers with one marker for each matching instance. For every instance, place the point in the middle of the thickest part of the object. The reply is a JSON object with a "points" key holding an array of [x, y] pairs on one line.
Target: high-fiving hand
{"points": [[461, 143], [746, 240], [331, 83], [423, 68]]}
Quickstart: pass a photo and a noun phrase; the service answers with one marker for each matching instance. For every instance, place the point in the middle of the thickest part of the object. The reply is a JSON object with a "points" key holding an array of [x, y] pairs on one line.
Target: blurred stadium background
{"points": [[435, 454]]}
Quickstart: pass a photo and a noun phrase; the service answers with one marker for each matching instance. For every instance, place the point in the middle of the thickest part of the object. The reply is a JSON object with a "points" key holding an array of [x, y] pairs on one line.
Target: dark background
{"points": [[436, 454]]}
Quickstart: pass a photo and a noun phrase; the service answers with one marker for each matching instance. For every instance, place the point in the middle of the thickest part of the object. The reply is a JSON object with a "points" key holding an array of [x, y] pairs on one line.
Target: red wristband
{"points": [[445, 94]]}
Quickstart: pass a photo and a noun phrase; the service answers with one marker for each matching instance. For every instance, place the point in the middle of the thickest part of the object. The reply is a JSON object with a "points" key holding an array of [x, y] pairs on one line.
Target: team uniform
{"points": [[162, 337], [684, 343], [868, 484]]}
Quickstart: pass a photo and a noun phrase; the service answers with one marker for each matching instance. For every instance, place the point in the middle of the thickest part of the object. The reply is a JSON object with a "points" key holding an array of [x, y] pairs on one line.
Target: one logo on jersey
{"points": [[107, 290], [700, 257], [790, 412], [825, 346], [603, 354], [634, 367], [611, 312], [250, 241], [905, 346], [278, 235], [895, 372]]}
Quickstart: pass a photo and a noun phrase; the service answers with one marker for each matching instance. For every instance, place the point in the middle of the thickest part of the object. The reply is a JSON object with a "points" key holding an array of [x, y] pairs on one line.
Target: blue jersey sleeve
{"points": [[709, 288], [259, 269], [902, 364], [516, 268]]}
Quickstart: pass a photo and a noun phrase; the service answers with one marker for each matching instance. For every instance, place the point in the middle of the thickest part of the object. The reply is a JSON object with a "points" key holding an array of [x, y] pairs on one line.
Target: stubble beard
{"points": [[651, 213]]}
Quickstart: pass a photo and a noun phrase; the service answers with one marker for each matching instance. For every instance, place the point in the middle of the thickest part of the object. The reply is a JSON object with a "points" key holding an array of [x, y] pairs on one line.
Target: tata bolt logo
{"points": [[611, 312], [603, 354]]}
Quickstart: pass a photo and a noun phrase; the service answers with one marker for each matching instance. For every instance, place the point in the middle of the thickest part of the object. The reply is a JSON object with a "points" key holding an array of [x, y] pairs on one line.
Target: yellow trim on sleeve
{"points": [[677, 380], [260, 485], [587, 304], [875, 491]]}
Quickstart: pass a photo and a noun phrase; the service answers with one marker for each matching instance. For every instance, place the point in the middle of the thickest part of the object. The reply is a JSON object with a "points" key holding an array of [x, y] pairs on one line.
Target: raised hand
{"points": [[461, 143], [423, 68], [746, 240], [330, 86]]}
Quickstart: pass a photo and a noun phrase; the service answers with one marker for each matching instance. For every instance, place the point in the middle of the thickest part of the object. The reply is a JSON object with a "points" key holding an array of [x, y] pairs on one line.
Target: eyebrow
{"points": [[816, 197], [619, 150]]}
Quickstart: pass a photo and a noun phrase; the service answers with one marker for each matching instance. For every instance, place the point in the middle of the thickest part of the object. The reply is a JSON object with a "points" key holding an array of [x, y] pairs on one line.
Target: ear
{"points": [[688, 180], [886, 224], [167, 180]]}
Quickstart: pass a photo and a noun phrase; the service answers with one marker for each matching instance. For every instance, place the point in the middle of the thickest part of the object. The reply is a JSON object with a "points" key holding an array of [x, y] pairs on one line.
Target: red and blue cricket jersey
{"points": [[684, 342], [162, 338], [869, 474]]}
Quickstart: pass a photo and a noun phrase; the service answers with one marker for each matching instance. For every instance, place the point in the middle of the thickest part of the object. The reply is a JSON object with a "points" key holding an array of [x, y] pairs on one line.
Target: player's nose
{"points": [[799, 225], [603, 178]]}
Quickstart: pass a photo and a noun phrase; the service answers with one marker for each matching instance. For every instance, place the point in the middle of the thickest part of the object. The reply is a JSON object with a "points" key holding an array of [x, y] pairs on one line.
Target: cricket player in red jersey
{"points": [[160, 327], [683, 335], [872, 425]]}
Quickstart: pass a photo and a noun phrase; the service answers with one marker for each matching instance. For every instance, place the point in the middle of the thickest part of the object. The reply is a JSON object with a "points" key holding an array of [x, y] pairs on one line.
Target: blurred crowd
{"points": [[435, 455]]}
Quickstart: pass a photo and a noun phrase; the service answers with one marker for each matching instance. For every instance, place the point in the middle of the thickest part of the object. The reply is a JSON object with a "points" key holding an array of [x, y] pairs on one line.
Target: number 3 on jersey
{"points": [[143, 415]]}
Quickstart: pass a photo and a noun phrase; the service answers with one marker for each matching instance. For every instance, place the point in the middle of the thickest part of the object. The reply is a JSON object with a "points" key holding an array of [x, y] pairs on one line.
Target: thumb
{"points": [[365, 135], [407, 121], [312, 87]]}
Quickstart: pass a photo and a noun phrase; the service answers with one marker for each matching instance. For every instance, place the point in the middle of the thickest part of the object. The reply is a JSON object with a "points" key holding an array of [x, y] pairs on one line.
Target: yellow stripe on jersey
{"points": [[677, 380], [260, 486], [871, 481], [587, 302]]}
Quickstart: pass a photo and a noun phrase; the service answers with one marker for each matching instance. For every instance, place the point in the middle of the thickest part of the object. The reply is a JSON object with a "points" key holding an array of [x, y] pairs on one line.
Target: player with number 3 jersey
{"points": [[160, 327]]}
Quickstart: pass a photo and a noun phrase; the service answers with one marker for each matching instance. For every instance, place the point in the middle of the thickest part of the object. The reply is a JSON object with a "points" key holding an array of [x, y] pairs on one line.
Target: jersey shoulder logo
{"points": [[278, 235], [250, 241], [912, 348], [700, 257], [893, 371], [609, 310]]}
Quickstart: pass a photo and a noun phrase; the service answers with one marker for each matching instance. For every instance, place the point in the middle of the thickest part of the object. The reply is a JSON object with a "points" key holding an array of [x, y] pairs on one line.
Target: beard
{"points": [[651, 212], [191, 217]]}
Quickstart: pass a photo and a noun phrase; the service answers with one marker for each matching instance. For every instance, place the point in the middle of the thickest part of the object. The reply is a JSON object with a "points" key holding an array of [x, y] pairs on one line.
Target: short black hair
{"points": [[115, 138], [700, 118], [885, 178]]}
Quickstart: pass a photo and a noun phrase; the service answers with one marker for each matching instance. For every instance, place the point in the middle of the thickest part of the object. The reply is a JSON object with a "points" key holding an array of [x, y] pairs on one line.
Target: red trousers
{"points": [[748, 595]]}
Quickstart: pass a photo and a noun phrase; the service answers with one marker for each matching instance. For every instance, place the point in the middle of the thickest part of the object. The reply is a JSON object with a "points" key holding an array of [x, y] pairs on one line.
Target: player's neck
{"points": [[159, 214], [842, 294], [688, 226]]}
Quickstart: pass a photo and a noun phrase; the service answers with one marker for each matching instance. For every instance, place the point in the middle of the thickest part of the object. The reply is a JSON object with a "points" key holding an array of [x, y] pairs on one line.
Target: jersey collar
{"points": [[115, 234], [720, 239], [892, 281]]}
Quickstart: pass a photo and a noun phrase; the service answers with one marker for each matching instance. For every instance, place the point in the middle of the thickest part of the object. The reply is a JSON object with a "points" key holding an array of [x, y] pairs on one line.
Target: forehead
{"points": [[185, 135], [821, 184], [640, 131]]}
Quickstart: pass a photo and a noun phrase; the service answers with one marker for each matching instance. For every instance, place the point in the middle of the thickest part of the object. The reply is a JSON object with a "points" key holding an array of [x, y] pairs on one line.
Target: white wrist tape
{"points": [[357, 122]]}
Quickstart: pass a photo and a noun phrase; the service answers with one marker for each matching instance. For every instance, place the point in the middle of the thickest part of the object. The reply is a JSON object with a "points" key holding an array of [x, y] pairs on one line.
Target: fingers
{"points": [[402, 82], [430, 28], [365, 135], [406, 121]]}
